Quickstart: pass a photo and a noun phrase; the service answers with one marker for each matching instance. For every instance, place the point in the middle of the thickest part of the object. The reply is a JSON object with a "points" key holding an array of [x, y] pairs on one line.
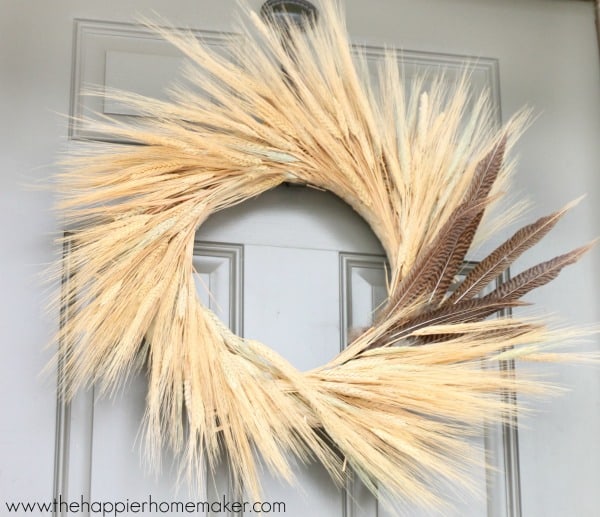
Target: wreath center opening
{"points": [[305, 274]]}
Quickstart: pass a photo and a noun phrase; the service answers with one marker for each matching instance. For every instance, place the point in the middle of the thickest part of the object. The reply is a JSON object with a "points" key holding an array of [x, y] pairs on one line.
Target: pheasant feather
{"points": [[502, 257]]}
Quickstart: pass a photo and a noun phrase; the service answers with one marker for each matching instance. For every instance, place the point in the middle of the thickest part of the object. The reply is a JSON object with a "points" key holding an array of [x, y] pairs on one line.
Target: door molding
{"points": [[125, 55]]}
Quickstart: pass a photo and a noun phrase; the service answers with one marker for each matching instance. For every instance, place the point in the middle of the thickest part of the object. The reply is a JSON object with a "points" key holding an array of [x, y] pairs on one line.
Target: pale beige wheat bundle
{"points": [[395, 406]]}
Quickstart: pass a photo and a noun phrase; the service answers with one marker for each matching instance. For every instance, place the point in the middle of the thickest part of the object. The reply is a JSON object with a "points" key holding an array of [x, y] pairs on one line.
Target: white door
{"points": [[294, 268]]}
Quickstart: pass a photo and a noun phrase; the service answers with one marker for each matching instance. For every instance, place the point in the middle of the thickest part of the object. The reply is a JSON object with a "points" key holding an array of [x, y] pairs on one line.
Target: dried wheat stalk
{"points": [[420, 169]]}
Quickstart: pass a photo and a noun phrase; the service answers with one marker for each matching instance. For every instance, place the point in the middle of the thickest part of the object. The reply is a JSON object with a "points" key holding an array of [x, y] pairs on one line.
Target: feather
{"points": [[487, 172], [437, 265], [485, 176], [504, 255], [464, 312], [423, 277], [535, 276]]}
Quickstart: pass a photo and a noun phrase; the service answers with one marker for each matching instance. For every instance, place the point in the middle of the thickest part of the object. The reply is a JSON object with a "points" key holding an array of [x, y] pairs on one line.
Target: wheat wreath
{"points": [[422, 169]]}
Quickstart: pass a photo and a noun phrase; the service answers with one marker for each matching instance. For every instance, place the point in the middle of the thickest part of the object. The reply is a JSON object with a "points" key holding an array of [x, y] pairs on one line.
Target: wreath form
{"points": [[396, 405]]}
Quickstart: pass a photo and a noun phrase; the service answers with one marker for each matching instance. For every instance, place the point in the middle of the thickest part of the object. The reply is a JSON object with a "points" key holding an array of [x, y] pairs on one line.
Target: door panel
{"points": [[292, 302], [364, 289], [116, 458]]}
